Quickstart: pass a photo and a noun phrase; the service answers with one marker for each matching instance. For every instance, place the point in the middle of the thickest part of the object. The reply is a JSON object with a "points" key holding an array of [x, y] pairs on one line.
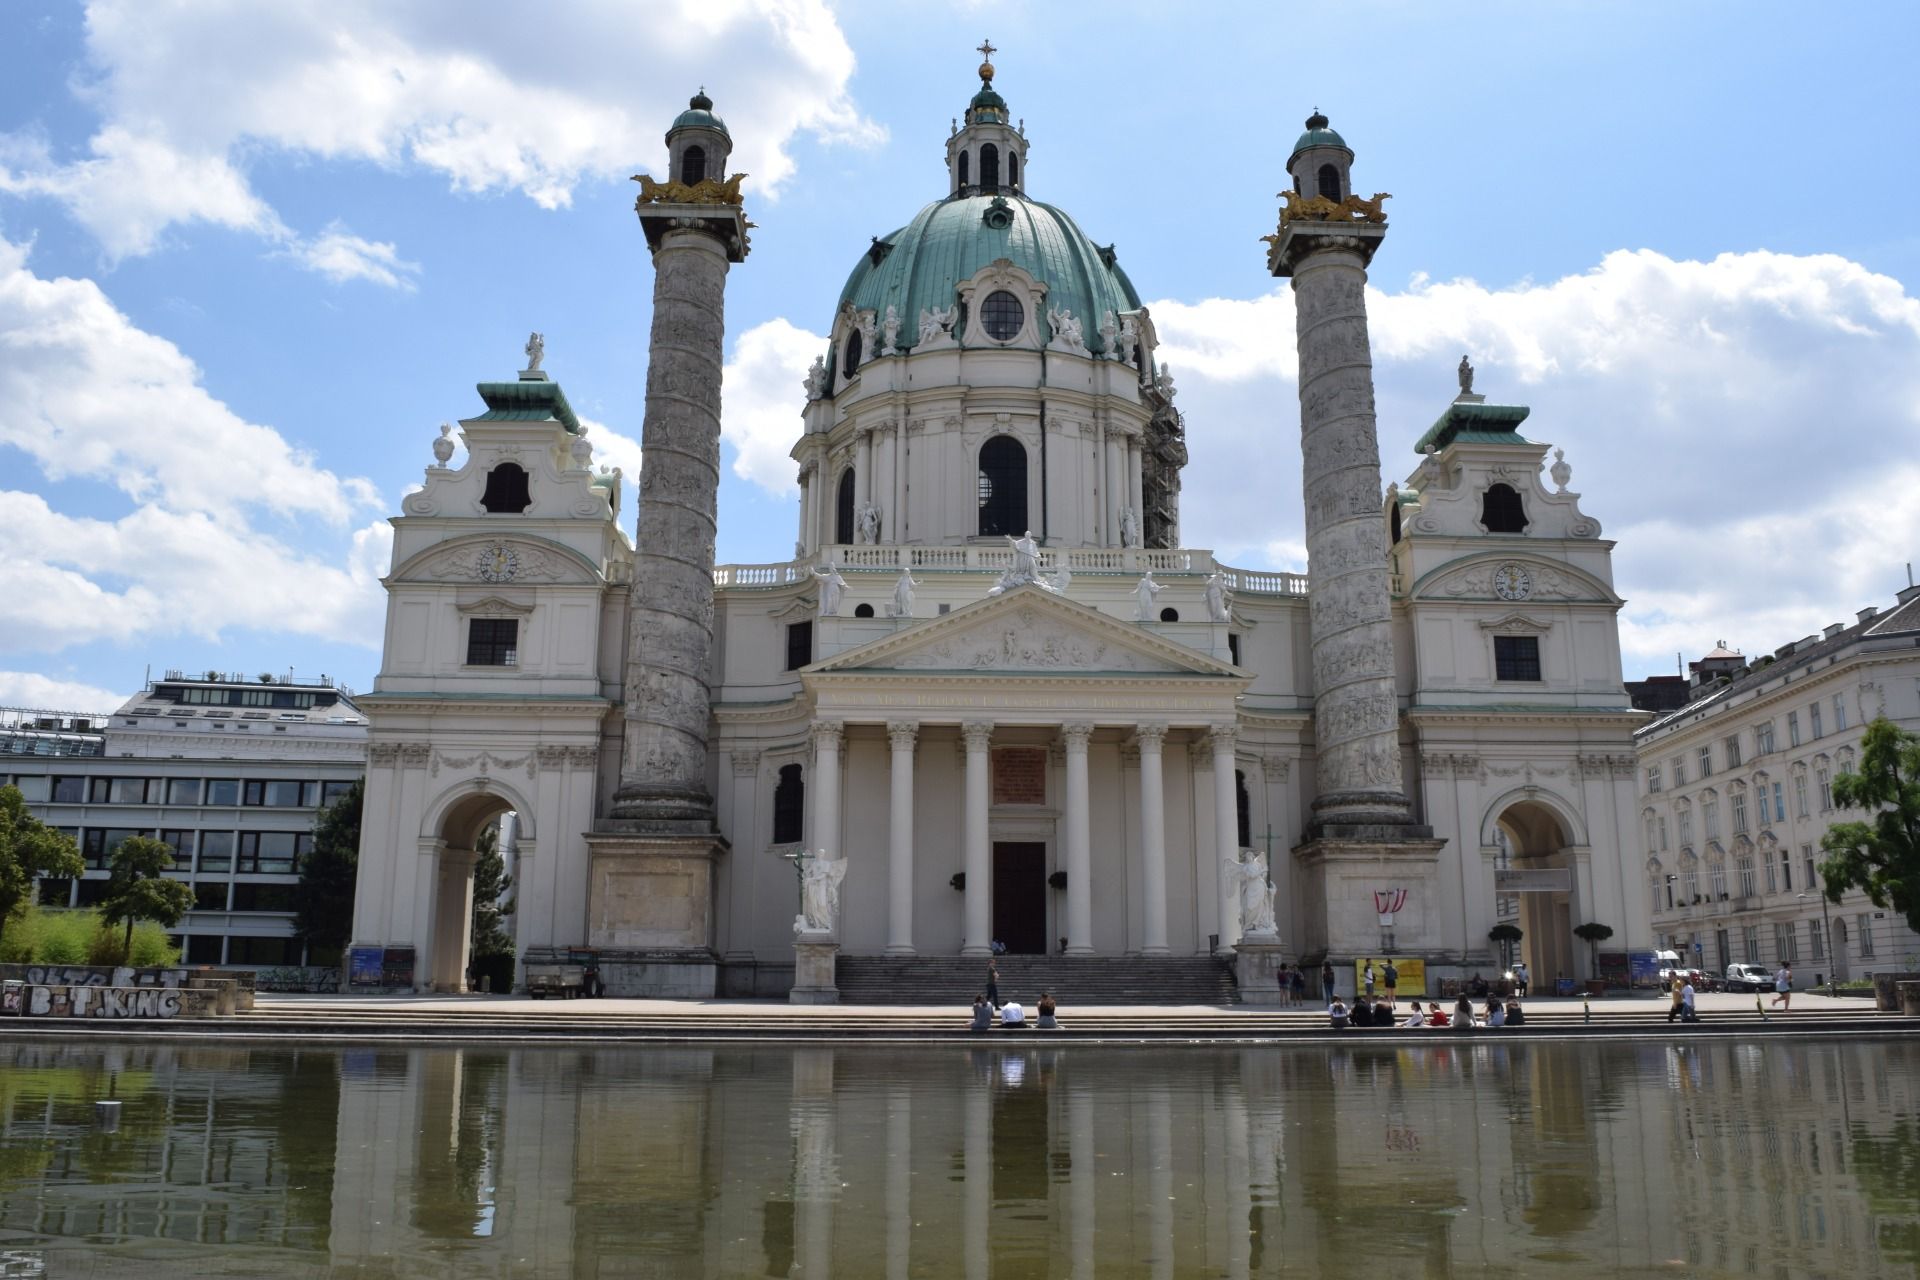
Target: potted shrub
{"points": [[1593, 934]]}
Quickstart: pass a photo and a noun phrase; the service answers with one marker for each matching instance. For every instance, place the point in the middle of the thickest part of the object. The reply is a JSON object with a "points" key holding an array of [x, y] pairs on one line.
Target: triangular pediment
{"points": [[1029, 629]]}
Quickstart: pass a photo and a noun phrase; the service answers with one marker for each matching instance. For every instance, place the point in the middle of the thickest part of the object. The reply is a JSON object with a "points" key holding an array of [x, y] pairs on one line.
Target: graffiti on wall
{"points": [[100, 1002], [298, 977], [88, 975]]}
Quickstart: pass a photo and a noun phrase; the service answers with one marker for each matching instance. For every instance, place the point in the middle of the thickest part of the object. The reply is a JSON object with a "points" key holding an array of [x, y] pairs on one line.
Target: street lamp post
{"points": [[1826, 927]]}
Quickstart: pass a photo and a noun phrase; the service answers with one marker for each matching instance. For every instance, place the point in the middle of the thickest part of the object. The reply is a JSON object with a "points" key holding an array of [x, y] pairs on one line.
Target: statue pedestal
{"points": [[650, 912], [1345, 866], [1256, 966], [813, 961]]}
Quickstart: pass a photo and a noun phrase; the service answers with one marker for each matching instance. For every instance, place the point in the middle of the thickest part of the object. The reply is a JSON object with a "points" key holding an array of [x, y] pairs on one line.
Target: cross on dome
{"points": [[987, 50]]}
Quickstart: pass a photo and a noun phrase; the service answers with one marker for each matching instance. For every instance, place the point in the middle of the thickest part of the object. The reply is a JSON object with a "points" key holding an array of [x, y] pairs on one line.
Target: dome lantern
{"points": [[1321, 161], [987, 154], [698, 143]]}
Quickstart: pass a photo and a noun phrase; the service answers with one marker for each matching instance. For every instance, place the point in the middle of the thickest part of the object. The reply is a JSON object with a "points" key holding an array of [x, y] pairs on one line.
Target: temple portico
{"points": [[1081, 800]]}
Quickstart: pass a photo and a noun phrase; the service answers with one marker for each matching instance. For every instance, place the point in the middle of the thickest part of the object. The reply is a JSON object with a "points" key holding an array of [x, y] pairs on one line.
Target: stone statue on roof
{"points": [[1466, 377], [536, 349]]}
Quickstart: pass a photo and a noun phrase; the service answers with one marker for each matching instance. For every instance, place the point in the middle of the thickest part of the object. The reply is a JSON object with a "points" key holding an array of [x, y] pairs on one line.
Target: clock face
{"points": [[1512, 582], [496, 562]]}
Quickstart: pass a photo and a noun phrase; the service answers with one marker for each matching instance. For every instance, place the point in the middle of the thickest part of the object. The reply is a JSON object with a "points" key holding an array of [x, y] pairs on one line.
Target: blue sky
{"points": [[251, 256]]}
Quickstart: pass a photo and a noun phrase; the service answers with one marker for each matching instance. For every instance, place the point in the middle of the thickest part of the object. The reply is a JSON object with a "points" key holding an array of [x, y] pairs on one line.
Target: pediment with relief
{"points": [[497, 560], [1027, 631], [1524, 579]]}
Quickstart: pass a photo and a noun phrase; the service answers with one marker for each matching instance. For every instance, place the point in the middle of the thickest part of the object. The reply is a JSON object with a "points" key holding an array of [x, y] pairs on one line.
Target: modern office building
{"points": [[230, 771]]}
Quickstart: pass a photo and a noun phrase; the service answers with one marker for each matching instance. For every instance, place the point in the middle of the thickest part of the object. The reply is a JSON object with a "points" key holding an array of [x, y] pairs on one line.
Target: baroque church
{"points": [[992, 699]]}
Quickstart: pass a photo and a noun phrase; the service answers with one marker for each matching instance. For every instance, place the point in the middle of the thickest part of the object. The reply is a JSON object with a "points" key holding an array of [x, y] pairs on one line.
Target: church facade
{"points": [[992, 677]]}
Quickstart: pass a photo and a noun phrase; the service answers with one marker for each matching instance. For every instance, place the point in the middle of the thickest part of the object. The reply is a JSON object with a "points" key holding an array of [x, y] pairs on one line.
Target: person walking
{"points": [[1520, 979], [993, 985], [1326, 981], [1673, 1010], [1688, 1013], [1783, 987], [1392, 976]]}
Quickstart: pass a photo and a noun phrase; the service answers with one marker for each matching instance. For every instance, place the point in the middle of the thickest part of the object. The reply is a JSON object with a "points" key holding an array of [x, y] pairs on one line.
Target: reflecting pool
{"points": [[1774, 1159]]}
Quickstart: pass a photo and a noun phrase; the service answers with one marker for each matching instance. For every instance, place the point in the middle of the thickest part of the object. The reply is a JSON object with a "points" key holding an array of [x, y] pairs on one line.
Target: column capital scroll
{"points": [[1223, 737], [1076, 735], [828, 734], [903, 734], [1149, 736], [977, 734]]}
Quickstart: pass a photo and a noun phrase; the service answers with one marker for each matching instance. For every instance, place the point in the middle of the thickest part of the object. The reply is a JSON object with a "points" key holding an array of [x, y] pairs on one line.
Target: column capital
{"points": [[1148, 737], [902, 734], [746, 762], [1223, 737], [827, 734], [1075, 734], [977, 734]]}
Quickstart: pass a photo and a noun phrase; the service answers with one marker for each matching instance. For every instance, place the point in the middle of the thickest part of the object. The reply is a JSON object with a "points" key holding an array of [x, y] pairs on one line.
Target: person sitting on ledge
{"points": [[1382, 1014], [1436, 1016], [1463, 1011], [1496, 1015], [1516, 1016], [1362, 1014], [1477, 987], [982, 1014], [1046, 1010], [1337, 1012], [1415, 1019], [1012, 1015]]}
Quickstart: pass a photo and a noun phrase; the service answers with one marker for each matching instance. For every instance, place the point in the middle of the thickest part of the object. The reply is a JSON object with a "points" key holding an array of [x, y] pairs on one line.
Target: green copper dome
{"points": [[699, 115], [921, 264], [1319, 135]]}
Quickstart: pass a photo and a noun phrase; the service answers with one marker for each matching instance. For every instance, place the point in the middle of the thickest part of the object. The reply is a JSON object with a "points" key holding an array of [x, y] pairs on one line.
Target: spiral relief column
{"points": [[652, 889], [1361, 837]]}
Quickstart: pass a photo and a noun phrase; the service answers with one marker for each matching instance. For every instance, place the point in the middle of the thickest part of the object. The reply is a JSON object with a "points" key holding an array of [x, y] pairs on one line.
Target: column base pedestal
{"points": [[1256, 967], [1345, 866], [813, 971], [650, 911]]}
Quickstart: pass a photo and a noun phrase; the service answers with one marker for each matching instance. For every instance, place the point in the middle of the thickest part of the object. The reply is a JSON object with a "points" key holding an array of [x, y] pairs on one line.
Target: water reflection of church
{"points": [[742, 1161], [1074, 757]]}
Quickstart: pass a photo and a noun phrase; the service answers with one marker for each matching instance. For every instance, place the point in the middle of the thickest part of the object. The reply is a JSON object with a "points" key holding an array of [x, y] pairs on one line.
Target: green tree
{"points": [[323, 900], [1593, 933], [138, 890], [490, 903], [1506, 935], [1882, 853], [29, 848]]}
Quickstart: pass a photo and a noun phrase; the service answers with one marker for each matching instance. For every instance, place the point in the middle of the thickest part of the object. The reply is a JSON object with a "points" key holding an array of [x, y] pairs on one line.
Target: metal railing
{"points": [[995, 559]]}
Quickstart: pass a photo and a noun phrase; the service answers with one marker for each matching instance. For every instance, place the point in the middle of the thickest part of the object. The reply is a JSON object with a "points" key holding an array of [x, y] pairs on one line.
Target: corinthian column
{"points": [[663, 781], [901, 734], [1356, 710], [1079, 844]]}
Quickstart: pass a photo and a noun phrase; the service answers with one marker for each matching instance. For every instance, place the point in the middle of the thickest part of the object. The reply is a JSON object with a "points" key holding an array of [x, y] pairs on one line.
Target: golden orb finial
{"points": [[986, 51]]}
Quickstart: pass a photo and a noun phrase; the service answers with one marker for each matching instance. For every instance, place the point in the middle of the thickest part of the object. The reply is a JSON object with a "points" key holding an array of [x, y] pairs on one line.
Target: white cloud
{"points": [[90, 397], [1735, 424], [30, 689], [341, 256], [614, 449], [87, 395], [761, 405], [190, 93]]}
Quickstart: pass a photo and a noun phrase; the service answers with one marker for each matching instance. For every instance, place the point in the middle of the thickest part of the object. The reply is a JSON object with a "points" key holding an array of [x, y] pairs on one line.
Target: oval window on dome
{"points": [[1002, 316]]}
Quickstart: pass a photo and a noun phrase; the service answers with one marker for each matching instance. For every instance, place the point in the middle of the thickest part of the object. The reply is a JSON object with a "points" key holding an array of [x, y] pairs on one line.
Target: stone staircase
{"points": [[953, 981]]}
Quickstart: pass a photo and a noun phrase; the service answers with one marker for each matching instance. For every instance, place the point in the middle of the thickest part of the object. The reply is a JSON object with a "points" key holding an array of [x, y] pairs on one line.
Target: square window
{"points": [[204, 948], [331, 791], [100, 791], [34, 788], [493, 642], [210, 895], [70, 790], [1516, 657], [216, 851], [283, 795], [223, 791], [183, 791]]}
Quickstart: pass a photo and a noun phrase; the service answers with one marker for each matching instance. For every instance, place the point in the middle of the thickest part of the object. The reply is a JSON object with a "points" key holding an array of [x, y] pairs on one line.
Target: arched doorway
{"points": [[460, 829], [1540, 876]]}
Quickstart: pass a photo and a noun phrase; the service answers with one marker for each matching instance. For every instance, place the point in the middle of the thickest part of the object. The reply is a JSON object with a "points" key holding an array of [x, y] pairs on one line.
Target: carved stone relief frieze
{"points": [[1024, 642]]}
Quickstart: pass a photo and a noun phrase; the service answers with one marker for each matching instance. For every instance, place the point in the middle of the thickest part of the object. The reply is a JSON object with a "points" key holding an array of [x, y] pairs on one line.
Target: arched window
{"points": [[1002, 316], [506, 489], [1501, 511], [1003, 486], [1394, 520], [693, 165], [963, 170], [843, 508], [989, 167], [1242, 810], [850, 361], [1329, 180], [1013, 169], [789, 806]]}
